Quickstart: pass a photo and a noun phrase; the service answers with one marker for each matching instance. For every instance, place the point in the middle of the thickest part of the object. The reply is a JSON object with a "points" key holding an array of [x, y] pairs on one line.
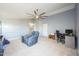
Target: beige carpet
{"points": [[44, 47]]}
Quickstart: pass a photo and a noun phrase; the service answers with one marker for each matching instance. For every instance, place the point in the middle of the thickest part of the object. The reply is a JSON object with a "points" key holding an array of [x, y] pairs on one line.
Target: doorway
{"points": [[45, 30]]}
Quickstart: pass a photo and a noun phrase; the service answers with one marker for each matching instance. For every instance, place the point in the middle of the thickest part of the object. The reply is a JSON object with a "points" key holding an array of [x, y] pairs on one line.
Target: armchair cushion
{"points": [[5, 42]]}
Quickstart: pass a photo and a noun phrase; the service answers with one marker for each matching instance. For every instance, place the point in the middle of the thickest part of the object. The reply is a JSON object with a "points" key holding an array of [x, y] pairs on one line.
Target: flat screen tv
{"points": [[69, 31]]}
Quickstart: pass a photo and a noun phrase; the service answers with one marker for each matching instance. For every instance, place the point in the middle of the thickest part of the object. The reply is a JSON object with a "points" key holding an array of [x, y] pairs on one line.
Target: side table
{"points": [[52, 36]]}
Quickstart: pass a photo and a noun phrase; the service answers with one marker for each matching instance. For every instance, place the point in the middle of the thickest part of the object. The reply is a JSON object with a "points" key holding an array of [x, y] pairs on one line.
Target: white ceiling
{"points": [[19, 10]]}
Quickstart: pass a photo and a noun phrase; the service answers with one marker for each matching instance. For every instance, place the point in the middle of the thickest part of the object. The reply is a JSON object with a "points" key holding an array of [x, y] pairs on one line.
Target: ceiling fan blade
{"points": [[35, 12], [44, 16], [43, 13]]}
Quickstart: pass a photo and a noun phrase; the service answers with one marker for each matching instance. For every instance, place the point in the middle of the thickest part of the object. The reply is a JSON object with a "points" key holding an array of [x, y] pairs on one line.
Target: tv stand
{"points": [[70, 41]]}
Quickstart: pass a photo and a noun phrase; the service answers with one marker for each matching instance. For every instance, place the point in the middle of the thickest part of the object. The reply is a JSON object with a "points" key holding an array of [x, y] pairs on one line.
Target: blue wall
{"points": [[61, 21]]}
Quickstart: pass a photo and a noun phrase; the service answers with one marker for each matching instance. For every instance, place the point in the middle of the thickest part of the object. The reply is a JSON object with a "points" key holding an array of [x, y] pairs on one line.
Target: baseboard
{"points": [[14, 38]]}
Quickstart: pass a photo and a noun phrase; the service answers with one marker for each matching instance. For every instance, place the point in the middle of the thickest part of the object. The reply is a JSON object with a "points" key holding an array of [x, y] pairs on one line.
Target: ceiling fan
{"points": [[37, 15]]}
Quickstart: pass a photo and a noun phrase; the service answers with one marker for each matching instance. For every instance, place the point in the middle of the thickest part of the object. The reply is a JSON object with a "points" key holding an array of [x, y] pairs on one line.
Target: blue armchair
{"points": [[2, 44], [30, 39]]}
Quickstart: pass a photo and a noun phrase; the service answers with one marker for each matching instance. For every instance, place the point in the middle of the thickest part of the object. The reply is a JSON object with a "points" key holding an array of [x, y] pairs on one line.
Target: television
{"points": [[69, 32]]}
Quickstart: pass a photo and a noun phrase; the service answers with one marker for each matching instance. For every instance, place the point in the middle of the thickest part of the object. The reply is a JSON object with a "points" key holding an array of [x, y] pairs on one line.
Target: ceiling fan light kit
{"points": [[37, 16]]}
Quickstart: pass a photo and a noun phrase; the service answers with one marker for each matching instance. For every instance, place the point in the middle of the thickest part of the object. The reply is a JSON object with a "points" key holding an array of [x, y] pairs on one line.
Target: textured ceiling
{"points": [[19, 10]]}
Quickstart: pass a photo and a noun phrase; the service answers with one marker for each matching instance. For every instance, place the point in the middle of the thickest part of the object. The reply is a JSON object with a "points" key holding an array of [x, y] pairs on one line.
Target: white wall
{"points": [[14, 28]]}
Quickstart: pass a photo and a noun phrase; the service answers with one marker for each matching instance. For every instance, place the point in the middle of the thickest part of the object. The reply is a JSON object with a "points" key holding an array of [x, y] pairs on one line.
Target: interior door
{"points": [[45, 30]]}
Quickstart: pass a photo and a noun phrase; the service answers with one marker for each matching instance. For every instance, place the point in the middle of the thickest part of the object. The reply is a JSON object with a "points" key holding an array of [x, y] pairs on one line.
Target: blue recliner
{"points": [[2, 44], [30, 39]]}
